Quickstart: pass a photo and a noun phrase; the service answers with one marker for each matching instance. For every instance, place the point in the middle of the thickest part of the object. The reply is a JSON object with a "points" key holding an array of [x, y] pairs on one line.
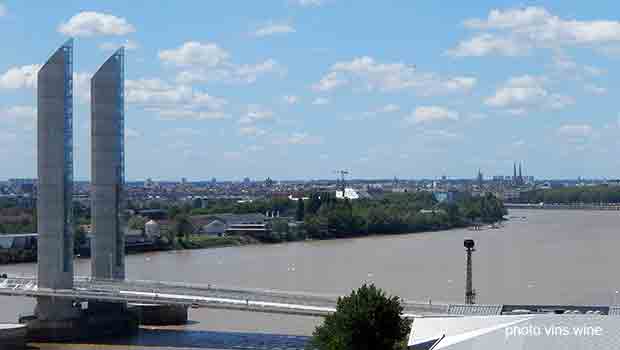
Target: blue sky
{"points": [[295, 89]]}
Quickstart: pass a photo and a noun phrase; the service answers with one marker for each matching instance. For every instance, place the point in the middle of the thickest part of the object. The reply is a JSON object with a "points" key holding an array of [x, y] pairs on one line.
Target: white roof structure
{"points": [[349, 193], [512, 332]]}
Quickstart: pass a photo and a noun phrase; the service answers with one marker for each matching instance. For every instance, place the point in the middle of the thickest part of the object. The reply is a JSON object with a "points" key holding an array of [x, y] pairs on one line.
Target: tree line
{"points": [[326, 217], [570, 195]]}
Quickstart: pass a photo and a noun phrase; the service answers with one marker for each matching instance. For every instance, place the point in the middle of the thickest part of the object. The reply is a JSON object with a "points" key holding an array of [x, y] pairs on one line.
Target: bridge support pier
{"points": [[160, 315], [99, 320]]}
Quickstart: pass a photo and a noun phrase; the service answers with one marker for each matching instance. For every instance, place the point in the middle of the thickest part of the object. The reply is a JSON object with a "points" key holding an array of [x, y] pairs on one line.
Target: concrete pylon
{"points": [[55, 188], [108, 169]]}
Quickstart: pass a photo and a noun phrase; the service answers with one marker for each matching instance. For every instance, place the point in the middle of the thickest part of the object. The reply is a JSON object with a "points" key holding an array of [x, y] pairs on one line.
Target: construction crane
{"points": [[342, 174]]}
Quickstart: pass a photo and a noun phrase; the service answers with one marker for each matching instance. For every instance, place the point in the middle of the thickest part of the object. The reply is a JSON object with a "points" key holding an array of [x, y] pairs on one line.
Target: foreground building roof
{"points": [[530, 331]]}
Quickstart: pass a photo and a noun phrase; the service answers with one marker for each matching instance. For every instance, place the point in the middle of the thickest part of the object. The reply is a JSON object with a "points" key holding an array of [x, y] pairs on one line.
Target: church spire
{"points": [[514, 172]]}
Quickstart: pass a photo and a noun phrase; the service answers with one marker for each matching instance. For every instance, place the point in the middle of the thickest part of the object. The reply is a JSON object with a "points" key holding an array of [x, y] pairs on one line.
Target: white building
{"points": [[349, 193]]}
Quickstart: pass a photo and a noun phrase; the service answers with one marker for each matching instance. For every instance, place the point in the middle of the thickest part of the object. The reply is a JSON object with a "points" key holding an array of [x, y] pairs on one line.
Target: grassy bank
{"points": [[203, 242]]}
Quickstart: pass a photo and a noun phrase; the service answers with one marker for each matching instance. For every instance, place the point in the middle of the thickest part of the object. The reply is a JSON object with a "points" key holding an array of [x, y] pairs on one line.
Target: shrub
{"points": [[365, 320]]}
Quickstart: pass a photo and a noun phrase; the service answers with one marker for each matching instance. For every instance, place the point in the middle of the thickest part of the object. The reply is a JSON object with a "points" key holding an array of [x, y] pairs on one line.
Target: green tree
{"points": [[299, 215], [173, 211], [314, 204], [182, 227], [136, 223], [365, 320]]}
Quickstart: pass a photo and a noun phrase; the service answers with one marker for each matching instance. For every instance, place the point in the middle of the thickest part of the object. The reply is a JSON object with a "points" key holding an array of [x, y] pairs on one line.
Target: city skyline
{"points": [[285, 90]]}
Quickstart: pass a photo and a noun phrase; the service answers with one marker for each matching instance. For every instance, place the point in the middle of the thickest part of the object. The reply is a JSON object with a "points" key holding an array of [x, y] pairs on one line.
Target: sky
{"points": [[296, 89]]}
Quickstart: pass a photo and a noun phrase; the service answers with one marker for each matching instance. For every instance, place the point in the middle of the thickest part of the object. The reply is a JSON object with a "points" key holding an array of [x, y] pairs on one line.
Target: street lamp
{"points": [[470, 294]]}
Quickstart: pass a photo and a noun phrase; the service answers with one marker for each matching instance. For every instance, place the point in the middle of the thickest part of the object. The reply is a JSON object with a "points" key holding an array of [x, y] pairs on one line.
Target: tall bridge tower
{"points": [[55, 189], [108, 169], [60, 319]]}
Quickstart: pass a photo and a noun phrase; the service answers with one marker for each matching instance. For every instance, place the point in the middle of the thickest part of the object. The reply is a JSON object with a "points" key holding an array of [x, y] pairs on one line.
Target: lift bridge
{"points": [[195, 295]]}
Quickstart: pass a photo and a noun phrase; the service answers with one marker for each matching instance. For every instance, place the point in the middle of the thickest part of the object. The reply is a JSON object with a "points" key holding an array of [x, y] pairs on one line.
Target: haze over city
{"points": [[294, 89]]}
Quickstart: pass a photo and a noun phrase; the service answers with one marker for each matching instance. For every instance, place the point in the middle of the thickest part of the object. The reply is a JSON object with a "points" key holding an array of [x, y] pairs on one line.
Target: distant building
{"points": [[349, 193], [443, 196], [152, 229], [231, 224]]}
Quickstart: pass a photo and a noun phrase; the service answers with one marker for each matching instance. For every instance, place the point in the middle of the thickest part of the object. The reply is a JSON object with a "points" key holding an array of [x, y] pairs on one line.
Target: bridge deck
{"points": [[207, 296]]}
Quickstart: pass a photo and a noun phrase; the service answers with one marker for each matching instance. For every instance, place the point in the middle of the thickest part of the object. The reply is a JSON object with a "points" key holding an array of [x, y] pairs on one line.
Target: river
{"points": [[539, 256]]}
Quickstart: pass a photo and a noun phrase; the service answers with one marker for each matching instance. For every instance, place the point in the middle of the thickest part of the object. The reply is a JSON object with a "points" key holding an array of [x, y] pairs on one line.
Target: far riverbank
{"points": [[557, 206]]}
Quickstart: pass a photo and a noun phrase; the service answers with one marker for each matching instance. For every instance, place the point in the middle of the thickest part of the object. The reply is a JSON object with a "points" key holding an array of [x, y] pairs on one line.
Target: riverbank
{"points": [[572, 206], [205, 242], [563, 248], [196, 241]]}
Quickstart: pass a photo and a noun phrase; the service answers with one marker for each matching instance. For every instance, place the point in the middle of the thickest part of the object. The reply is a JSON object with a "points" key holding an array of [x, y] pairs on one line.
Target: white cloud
{"points": [[390, 77], [488, 44], [439, 133], [111, 46], [156, 92], [88, 23], [256, 113], [478, 116], [299, 138], [233, 155], [254, 148], [18, 114], [251, 131], [246, 74], [185, 113], [195, 53], [569, 68], [20, 77], [511, 18], [329, 82], [426, 114], [516, 30], [81, 86], [594, 71], [291, 99], [250, 73], [527, 91], [210, 63], [173, 102], [390, 108], [309, 3], [273, 28], [132, 133], [575, 131], [595, 90], [320, 101], [18, 118]]}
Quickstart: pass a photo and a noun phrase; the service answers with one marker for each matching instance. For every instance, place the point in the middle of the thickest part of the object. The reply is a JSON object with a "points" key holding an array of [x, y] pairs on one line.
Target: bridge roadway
{"points": [[197, 296]]}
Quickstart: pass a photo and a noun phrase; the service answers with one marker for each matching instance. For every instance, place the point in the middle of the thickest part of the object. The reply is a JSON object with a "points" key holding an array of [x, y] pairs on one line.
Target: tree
{"points": [[173, 211], [299, 215], [365, 320], [314, 204], [136, 223], [182, 226]]}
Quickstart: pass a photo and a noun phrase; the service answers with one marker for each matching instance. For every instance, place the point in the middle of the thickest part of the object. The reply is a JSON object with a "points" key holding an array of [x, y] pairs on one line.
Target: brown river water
{"points": [[539, 256]]}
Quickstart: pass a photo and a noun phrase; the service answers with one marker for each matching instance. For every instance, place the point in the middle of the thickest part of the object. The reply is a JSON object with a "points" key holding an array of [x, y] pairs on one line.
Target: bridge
{"points": [[196, 295]]}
